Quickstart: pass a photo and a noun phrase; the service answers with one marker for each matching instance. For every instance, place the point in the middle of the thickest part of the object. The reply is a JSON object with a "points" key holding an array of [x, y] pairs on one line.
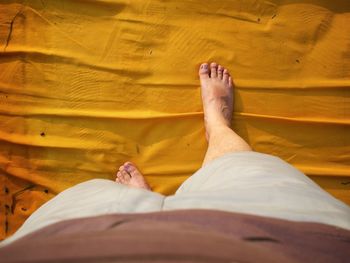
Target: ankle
{"points": [[217, 128]]}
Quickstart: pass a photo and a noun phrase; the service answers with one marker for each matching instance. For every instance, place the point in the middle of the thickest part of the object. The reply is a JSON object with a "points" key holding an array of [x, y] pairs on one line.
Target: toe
{"points": [[131, 168], [128, 166], [126, 176], [119, 178], [213, 70], [220, 71], [225, 76], [204, 70], [127, 163], [230, 83]]}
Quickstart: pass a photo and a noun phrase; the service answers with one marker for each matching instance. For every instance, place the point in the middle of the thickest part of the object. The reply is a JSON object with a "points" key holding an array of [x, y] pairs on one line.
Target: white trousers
{"points": [[243, 182]]}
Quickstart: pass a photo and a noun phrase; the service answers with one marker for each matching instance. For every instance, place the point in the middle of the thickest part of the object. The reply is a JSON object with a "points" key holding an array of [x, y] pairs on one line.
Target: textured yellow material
{"points": [[88, 85]]}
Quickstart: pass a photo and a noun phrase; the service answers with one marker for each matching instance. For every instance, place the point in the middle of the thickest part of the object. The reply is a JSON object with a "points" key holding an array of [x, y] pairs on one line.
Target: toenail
{"points": [[205, 66], [128, 168]]}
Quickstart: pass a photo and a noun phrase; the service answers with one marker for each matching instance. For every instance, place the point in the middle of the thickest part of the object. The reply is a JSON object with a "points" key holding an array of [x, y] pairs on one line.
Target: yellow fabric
{"points": [[88, 85]]}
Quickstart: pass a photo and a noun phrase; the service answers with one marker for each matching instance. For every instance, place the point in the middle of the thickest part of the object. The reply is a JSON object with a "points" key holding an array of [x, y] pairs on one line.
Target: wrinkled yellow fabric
{"points": [[88, 85]]}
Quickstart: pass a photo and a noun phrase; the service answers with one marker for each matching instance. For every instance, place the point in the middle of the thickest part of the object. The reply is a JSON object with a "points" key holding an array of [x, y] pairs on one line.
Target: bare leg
{"points": [[217, 97]]}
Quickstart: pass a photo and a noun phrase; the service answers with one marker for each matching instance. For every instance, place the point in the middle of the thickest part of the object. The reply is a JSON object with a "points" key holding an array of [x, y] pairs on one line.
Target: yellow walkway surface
{"points": [[87, 85]]}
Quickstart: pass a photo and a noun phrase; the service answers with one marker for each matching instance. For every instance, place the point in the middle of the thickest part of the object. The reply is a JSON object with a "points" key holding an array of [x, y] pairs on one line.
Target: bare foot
{"points": [[129, 175], [217, 96]]}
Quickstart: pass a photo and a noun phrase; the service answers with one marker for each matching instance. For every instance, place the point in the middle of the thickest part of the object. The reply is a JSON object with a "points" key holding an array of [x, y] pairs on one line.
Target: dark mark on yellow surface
{"points": [[10, 30]]}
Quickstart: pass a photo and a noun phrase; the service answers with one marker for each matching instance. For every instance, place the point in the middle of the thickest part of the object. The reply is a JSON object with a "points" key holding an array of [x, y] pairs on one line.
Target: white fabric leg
{"points": [[91, 198], [245, 182], [259, 184]]}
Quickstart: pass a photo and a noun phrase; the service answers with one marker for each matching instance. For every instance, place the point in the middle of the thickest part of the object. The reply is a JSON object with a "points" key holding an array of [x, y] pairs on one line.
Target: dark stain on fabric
{"points": [[261, 239], [11, 29], [118, 223], [42, 134], [16, 194], [297, 61]]}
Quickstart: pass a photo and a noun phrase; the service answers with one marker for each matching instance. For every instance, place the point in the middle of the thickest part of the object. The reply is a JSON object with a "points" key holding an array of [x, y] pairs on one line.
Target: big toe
{"points": [[204, 71], [131, 168]]}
